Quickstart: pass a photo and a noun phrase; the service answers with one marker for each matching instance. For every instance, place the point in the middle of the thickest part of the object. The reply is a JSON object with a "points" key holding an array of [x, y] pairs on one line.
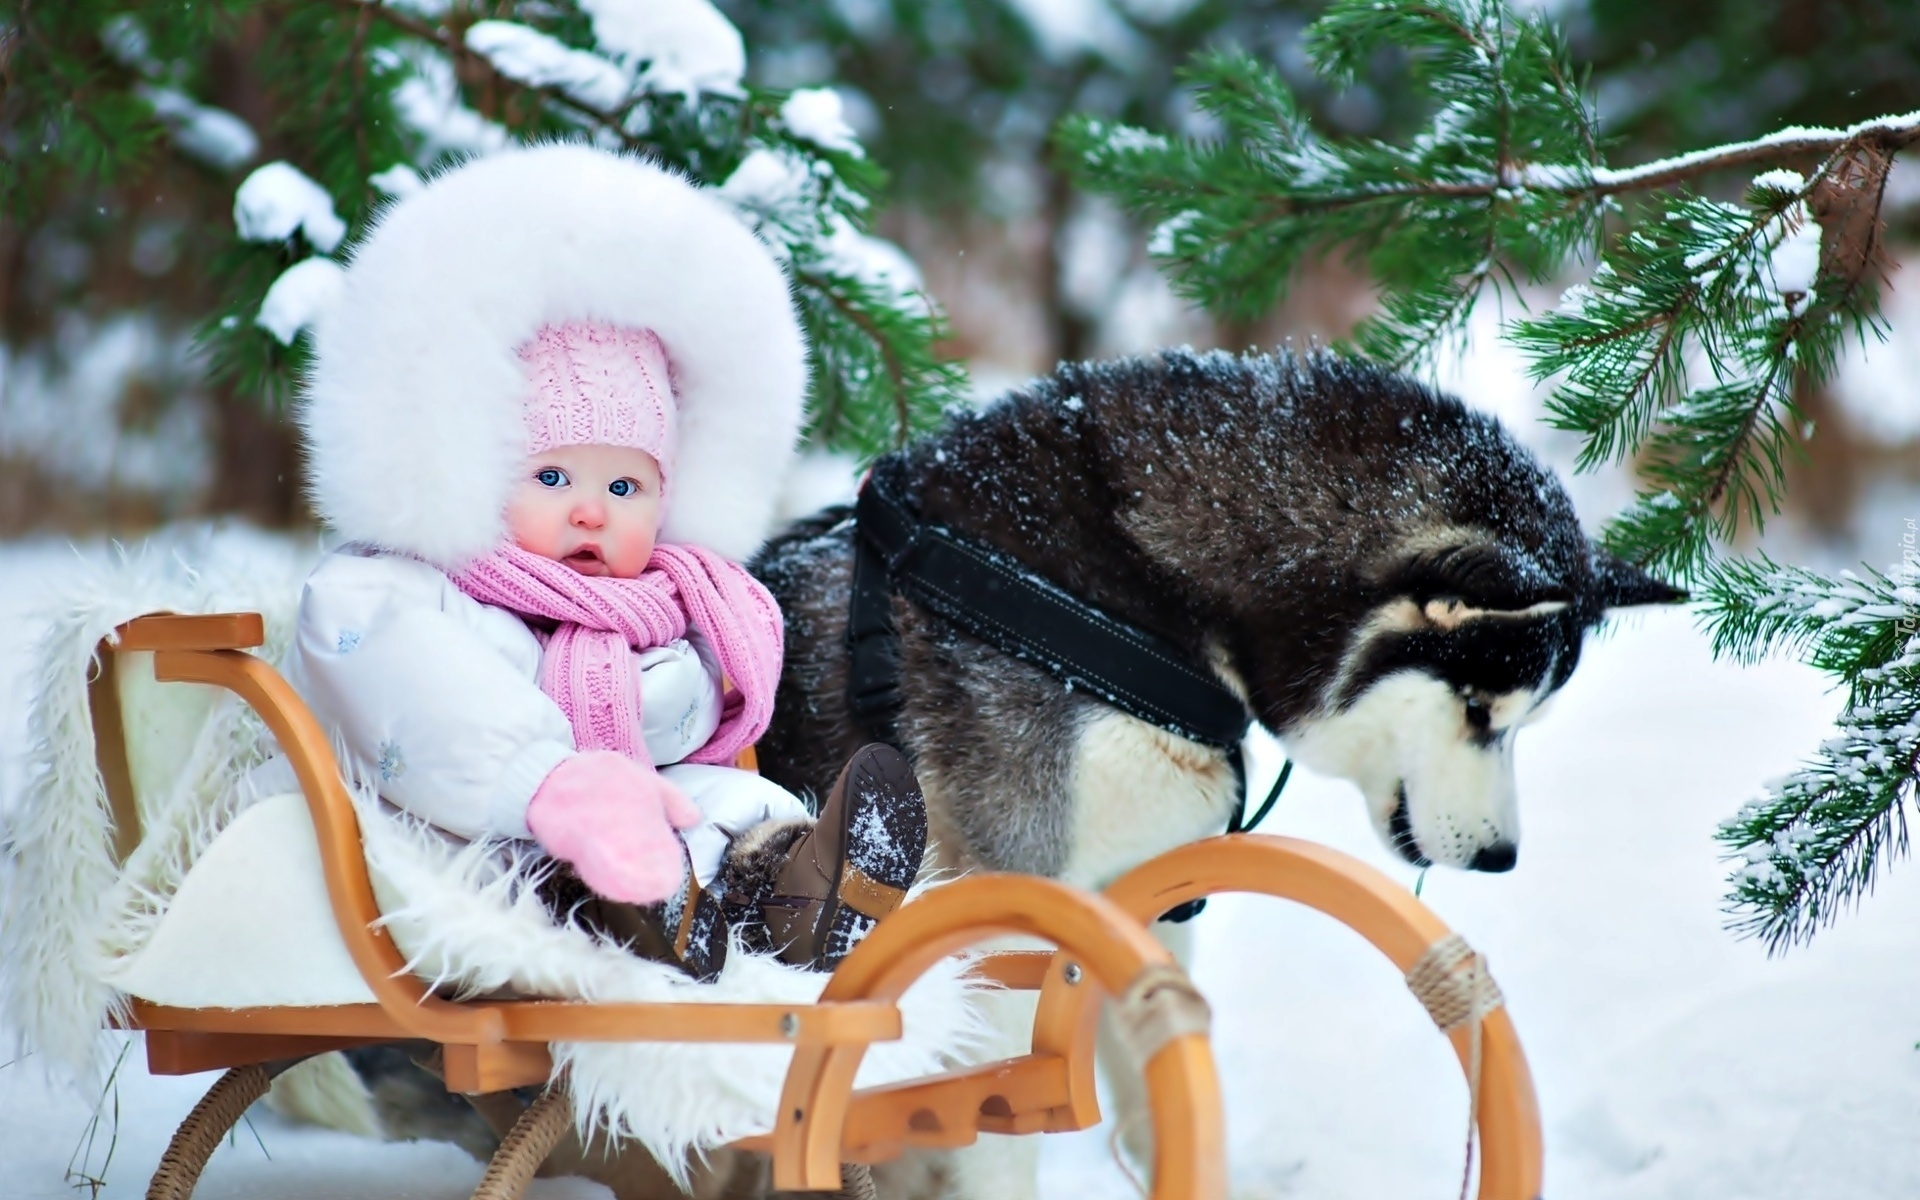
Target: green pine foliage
{"points": [[98, 91], [1700, 322], [1811, 846], [1434, 218], [1735, 286]]}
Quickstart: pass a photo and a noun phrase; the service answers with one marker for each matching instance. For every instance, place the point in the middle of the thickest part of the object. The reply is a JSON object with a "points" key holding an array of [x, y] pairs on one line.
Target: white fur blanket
{"points": [[74, 923]]}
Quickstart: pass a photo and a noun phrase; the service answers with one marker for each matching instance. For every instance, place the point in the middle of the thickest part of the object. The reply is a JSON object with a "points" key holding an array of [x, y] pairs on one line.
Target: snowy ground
{"points": [[1672, 1061]]}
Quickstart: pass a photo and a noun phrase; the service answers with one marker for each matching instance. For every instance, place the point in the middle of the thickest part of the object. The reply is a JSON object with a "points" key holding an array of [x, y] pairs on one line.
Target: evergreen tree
{"points": [[1699, 323], [353, 101]]}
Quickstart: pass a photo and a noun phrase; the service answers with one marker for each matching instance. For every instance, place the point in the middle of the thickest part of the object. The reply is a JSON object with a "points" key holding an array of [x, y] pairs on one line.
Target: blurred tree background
{"points": [[120, 402]]}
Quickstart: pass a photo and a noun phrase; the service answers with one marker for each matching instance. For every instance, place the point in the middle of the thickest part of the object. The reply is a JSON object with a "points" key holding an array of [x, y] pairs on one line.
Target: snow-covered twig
{"points": [[453, 41], [1888, 133], [1892, 133]]}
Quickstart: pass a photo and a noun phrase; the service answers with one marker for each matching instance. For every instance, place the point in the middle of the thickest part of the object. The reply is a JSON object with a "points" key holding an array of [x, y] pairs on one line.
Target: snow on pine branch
{"points": [[1235, 215], [1730, 286], [211, 135], [1815, 842], [525, 54], [279, 200], [687, 47], [1792, 141]]}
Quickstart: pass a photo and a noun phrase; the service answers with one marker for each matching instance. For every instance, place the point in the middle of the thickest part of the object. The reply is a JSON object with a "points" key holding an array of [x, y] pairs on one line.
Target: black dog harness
{"points": [[1002, 602]]}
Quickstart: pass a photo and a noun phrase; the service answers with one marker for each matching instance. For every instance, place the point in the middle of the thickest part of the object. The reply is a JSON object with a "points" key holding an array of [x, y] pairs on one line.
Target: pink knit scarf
{"points": [[588, 664]]}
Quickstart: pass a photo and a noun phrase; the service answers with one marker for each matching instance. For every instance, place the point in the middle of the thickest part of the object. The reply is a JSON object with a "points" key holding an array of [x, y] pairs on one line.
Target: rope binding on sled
{"points": [[998, 599], [1452, 983]]}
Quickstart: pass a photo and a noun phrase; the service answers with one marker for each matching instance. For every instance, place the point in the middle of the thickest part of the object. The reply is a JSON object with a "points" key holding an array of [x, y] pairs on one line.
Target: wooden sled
{"points": [[1104, 953], [489, 1046]]}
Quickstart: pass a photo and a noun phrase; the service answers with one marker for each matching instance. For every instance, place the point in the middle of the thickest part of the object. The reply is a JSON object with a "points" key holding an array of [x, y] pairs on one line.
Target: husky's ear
{"points": [[1619, 584], [1484, 575]]}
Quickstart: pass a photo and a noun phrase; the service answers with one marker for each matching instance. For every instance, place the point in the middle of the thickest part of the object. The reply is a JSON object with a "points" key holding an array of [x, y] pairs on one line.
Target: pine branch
{"points": [[1815, 843], [1590, 183], [1889, 134]]}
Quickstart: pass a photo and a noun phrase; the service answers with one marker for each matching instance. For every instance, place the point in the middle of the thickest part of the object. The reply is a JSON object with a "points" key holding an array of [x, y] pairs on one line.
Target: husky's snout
{"points": [[1436, 767], [1494, 857]]}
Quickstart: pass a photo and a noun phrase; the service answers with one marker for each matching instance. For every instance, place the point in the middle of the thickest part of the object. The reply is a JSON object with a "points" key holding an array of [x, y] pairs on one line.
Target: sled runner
{"points": [[491, 1045]]}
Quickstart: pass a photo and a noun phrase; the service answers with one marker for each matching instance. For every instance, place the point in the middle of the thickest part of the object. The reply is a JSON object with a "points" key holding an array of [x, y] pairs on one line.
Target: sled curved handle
{"points": [[1389, 917], [336, 826]]}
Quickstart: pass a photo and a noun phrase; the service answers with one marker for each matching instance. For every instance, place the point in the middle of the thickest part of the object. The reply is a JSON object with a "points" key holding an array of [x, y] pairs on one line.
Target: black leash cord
{"points": [[1182, 913]]}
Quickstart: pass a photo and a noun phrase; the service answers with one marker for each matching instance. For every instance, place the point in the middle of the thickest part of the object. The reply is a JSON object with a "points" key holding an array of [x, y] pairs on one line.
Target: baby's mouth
{"points": [[586, 560]]}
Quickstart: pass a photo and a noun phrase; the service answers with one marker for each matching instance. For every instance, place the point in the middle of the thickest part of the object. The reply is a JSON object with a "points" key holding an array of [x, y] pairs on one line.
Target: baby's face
{"points": [[594, 508]]}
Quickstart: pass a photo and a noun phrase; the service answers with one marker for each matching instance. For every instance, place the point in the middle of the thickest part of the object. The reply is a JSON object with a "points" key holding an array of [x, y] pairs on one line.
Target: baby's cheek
{"points": [[636, 547], [531, 527]]}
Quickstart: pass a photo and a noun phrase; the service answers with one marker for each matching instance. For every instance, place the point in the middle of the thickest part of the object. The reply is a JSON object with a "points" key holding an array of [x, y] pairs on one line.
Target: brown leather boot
{"points": [[818, 889]]}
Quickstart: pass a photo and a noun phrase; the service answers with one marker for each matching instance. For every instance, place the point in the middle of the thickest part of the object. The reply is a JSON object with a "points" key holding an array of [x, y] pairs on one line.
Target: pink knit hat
{"points": [[595, 384]]}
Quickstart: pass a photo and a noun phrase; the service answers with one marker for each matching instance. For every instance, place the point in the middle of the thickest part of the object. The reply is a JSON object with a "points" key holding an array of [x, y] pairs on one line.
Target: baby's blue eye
{"points": [[623, 487], [551, 477]]}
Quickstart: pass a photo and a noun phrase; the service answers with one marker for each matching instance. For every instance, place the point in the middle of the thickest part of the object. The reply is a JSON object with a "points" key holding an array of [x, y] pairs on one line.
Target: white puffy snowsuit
{"points": [[435, 698]]}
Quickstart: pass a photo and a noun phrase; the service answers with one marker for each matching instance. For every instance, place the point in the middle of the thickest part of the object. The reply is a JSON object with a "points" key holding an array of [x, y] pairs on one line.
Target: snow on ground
{"points": [[1672, 1060]]}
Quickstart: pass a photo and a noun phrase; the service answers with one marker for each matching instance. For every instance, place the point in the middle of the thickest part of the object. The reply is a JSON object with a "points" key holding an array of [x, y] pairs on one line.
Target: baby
{"points": [[581, 680]]}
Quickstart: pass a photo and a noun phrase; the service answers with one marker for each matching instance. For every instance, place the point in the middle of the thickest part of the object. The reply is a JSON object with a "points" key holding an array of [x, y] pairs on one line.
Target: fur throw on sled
{"points": [[222, 904], [413, 407]]}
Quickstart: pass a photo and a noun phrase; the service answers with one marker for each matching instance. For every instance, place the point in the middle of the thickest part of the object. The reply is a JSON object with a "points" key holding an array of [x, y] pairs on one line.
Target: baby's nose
{"points": [[589, 514]]}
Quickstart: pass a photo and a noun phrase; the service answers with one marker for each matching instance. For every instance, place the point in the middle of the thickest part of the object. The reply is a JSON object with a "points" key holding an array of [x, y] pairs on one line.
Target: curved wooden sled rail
{"points": [[501, 1044], [1100, 949], [1386, 915]]}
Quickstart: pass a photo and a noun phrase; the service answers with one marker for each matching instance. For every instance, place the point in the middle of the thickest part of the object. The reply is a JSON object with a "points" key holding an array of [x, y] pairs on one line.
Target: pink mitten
{"points": [[614, 821]]}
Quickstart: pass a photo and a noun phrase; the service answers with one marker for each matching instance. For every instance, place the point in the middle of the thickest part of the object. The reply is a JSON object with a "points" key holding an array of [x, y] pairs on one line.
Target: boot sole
{"points": [[884, 841]]}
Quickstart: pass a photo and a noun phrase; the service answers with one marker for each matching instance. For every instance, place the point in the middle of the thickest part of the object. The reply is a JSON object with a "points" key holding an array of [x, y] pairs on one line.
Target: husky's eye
{"points": [[1479, 716]]}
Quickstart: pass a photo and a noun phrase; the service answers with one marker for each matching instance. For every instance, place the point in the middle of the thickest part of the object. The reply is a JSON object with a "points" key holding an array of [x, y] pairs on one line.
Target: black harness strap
{"points": [[997, 599], [1000, 601]]}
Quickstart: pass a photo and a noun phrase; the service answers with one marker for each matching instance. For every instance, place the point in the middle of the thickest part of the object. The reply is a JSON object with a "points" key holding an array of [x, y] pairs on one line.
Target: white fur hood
{"points": [[412, 409]]}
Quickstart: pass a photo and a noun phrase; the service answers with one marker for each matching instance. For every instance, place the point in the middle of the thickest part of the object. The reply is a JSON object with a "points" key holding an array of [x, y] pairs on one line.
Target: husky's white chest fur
{"points": [[1139, 791]]}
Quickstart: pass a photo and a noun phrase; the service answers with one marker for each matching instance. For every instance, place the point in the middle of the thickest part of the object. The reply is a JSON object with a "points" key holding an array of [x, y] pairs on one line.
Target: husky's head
{"points": [[1470, 643], [1394, 584]]}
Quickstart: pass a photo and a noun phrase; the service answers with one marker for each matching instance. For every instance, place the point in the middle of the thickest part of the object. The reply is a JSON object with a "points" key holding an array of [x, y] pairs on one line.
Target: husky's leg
{"points": [[996, 1167], [325, 1091], [1126, 1086]]}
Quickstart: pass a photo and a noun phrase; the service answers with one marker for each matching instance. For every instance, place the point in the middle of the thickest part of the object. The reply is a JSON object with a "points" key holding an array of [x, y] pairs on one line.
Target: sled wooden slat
{"points": [[1019, 1095], [213, 631], [949, 1110], [367, 1021], [182, 1052], [557, 1020], [478, 1070], [110, 749], [822, 1024], [1015, 970]]}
